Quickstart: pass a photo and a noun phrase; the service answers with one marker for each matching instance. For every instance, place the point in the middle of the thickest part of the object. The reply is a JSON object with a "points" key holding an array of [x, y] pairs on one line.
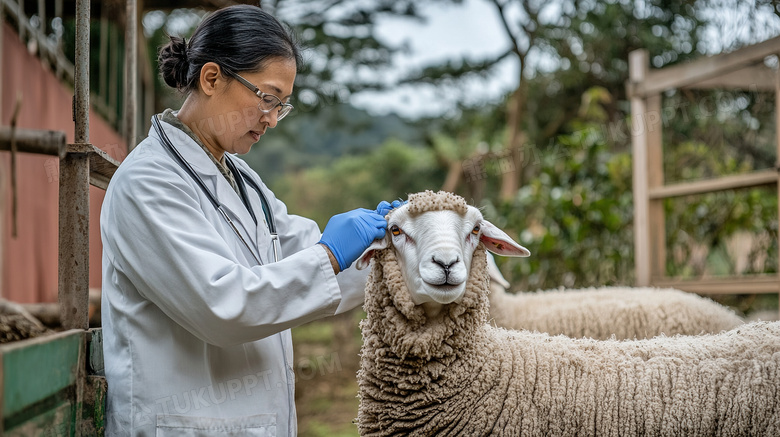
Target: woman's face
{"points": [[236, 123]]}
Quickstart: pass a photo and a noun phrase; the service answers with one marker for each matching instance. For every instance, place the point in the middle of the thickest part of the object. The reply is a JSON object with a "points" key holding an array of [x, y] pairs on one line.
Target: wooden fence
{"points": [[742, 69]]}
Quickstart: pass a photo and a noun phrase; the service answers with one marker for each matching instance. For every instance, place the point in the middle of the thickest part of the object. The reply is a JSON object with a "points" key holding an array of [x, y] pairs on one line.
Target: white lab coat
{"points": [[196, 336]]}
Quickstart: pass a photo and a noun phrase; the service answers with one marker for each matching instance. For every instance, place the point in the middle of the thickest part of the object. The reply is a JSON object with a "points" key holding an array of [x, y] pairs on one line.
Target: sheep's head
{"points": [[434, 236]]}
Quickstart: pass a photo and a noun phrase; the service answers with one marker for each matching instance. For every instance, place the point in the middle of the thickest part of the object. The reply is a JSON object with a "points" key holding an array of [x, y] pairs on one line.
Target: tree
{"points": [[584, 43]]}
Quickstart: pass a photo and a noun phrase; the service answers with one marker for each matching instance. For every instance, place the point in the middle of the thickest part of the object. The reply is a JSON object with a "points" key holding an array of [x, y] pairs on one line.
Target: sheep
{"points": [[600, 313], [432, 365]]}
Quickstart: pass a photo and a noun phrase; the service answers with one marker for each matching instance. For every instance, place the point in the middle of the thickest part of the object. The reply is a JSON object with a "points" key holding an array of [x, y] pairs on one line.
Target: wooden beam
{"points": [[755, 179], [44, 142], [754, 78], [725, 285], [689, 73]]}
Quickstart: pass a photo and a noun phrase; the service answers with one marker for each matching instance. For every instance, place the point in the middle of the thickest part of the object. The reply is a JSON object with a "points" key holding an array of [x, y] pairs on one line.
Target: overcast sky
{"points": [[472, 29]]}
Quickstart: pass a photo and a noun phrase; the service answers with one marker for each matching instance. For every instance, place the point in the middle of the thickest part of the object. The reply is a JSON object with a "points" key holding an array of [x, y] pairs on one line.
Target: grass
{"points": [[326, 364]]}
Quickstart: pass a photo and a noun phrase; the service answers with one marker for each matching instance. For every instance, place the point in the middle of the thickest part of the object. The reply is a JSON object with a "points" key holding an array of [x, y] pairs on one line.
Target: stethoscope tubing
{"points": [[213, 199]]}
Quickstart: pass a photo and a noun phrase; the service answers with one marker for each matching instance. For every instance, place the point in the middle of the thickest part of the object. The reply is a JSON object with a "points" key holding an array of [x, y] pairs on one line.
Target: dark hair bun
{"points": [[173, 63]]}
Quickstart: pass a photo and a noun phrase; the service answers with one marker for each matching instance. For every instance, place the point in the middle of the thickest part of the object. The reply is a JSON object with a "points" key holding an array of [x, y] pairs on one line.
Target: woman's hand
{"points": [[348, 234], [384, 206]]}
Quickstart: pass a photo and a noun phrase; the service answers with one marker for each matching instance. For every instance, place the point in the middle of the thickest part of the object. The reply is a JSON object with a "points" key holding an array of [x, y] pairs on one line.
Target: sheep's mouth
{"points": [[444, 286], [444, 293]]}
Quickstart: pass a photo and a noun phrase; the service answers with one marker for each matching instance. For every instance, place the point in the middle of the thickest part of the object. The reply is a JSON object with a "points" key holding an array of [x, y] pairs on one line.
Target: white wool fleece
{"points": [[457, 375]]}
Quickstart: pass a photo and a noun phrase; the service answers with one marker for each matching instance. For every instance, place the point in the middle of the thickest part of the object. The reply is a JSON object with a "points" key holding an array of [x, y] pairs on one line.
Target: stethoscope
{"points": [[240, 176]]}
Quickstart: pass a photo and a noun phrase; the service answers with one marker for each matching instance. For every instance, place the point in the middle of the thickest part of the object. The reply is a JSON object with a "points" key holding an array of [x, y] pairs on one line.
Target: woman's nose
{"points": [[270, 118]]}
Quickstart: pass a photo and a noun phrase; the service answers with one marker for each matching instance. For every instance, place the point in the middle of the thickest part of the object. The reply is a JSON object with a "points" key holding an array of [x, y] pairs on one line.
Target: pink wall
{"points": [[29, 262]]}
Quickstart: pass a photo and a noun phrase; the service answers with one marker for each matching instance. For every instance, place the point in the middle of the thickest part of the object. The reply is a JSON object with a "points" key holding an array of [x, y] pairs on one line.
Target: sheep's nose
{"points": [[445, 264]]}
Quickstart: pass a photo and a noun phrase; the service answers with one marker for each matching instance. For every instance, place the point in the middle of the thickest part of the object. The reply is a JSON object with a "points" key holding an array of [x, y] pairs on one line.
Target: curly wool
{"points": [[600, 313], [429, 201], [457, 375]]}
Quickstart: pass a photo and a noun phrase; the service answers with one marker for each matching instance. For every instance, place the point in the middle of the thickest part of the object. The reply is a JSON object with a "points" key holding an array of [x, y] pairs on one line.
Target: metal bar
{"points": [[2, 195], [112, 90], [101, 166], [725, 285], [2, 51], [22, 21], [74, 241], [131, 73], [40, 32], [74, 194], [58, 45], [755, 179], [638, 63], [103, 79], [42, 17], [42, 142], [62, 64], [81, 92]]}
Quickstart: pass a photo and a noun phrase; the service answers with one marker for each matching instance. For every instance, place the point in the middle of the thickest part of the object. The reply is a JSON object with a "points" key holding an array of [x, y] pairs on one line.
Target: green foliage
{"points": [[315, 139], [734, 131], [389, 172], [575, 217], [704, 232]]}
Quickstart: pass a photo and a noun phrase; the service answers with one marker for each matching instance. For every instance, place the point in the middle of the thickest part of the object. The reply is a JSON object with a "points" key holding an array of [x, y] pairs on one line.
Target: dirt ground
{"points": [[326, 365]]}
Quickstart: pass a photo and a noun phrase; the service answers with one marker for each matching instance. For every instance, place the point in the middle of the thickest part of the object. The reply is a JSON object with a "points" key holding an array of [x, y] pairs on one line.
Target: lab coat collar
{"points": [[215, 181]]}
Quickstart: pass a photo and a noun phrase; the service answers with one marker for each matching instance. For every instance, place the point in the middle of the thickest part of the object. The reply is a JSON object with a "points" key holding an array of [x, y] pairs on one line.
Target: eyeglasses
{"points": [[268, 102]]}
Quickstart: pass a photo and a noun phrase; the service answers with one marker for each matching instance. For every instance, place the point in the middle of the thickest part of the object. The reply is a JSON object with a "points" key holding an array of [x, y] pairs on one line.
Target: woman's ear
{"points": [[210, 75]]}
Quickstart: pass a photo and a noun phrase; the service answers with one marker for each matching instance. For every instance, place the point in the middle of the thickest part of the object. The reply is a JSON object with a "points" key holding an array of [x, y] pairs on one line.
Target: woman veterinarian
{"points": [[204, 271]]}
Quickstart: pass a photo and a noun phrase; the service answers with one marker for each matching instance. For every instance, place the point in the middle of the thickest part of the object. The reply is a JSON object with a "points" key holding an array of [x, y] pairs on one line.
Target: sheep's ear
{"points": [[495, 273], [498, 242], [365, 258]]}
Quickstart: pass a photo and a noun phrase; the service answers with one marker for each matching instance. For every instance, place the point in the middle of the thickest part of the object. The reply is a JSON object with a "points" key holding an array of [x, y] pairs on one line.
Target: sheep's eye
{"points": [[475, 231], [395, 230]]}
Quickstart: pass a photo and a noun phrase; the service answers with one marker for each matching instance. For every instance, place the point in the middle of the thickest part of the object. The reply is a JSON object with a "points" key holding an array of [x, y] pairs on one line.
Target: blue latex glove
{"points": [[348, 234], [384, 207]]}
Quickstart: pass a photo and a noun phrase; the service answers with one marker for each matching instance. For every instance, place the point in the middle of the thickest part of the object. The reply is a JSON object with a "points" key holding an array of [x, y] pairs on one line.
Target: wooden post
{"points": [[74, 194], [638, 62], [777, 139], [653, 128]]}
